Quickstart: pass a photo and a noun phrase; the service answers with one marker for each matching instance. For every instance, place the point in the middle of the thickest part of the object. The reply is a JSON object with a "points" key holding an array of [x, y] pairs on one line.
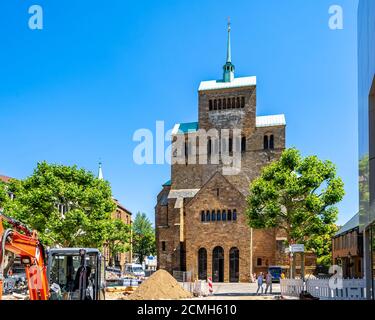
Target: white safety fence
{"points": [[352, 289]]}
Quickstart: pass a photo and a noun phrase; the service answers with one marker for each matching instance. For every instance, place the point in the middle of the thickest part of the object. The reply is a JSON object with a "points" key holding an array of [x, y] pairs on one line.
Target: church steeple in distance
{"points": [[228, 67], [100, 172]]}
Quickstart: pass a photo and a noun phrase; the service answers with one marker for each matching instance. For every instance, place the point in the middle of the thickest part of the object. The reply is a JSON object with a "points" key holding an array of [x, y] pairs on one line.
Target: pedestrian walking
{"points": [[260, 283], [268, 282]]}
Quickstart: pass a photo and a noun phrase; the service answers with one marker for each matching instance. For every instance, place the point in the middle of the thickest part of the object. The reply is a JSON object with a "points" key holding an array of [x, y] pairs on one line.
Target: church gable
{"points": [[217, 190]]}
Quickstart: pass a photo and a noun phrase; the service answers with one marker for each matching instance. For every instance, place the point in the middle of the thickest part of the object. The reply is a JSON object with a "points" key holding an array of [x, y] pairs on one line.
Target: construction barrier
{"points": [[210, 287]]}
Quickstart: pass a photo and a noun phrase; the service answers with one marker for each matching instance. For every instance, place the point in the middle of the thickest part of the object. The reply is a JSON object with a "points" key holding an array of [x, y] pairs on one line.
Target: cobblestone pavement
{"points": [[241, 291]]}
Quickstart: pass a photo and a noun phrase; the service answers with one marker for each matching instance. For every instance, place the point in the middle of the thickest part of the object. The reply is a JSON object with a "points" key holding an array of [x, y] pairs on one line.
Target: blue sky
{"points": [[76, 91]]}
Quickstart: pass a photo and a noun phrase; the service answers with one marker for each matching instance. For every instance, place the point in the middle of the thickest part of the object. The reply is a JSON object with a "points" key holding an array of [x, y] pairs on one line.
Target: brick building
{"points": [[347, 249], [200, 213]]}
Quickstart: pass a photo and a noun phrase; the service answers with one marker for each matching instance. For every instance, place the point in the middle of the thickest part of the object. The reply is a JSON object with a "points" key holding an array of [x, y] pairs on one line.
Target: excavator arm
{"points": [[31, 251]]}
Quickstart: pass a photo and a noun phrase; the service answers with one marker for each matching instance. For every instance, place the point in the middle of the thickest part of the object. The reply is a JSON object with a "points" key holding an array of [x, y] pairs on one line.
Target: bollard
{"points": [[210, 287]]}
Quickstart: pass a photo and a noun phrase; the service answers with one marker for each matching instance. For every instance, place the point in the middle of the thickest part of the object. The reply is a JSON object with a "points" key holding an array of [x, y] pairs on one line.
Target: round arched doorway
{"points": [[234, 265], [202, 264], [218, 265]]}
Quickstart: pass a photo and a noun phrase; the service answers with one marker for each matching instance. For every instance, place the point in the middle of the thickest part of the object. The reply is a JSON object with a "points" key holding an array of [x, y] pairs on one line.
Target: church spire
{"points": [[100, 172], [228, 67], [229, 53]]}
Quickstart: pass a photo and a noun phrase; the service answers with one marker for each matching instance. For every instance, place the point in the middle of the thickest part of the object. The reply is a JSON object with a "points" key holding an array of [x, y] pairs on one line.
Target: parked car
{"points": [[134, 269], [115, 270]]}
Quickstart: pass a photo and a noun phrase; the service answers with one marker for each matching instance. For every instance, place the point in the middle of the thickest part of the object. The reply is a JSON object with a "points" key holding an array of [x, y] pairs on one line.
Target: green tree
{"points": [[143, 237], [87, 203], [3, 194], [297, 195], [117, 238]]}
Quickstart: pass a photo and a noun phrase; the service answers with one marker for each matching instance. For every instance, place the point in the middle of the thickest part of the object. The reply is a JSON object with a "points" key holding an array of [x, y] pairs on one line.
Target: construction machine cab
{"points": [[76, 274]]}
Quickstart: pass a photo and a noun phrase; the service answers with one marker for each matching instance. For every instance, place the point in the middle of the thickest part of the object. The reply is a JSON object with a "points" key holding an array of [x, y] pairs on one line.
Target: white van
{"points": [[134, 269]]}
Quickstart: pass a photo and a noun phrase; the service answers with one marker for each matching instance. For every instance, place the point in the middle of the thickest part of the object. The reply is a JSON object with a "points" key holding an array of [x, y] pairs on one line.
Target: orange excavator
{"points": [[23, 242], [54, 274]]}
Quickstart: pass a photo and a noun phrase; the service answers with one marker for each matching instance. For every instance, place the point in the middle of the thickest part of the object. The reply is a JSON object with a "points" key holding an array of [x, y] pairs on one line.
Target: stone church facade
{"points": [[200, 213]]}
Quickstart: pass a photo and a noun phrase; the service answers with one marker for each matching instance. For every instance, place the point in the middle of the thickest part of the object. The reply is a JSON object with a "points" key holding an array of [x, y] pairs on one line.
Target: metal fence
{"points": [[352, 289]]}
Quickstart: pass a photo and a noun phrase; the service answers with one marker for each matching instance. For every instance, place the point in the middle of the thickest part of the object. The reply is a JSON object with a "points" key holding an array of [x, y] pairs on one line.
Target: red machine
{"points": [[20, 240]]}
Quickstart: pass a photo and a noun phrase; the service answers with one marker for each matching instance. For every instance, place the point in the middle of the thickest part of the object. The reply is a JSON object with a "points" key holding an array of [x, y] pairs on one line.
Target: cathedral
{"points": [[200, 219]]}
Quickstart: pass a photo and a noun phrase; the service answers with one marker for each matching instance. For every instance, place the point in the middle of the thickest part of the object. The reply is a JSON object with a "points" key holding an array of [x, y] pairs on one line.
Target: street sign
{"points": [[297, 248]]}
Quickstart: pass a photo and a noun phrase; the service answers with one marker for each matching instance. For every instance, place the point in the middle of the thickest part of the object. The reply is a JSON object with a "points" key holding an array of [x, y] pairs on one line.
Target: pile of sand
{"points": [[160, 286]]}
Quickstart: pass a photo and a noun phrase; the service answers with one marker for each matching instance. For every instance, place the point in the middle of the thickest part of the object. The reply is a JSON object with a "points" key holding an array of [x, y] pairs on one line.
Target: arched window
{"points": [[210, 105], [265, 143], [224, 103], [234, 218], [242, 102], [230, 147], [208, 216], [224, 216], [272, 144], [203, 216], [209, 146], [238, 105], [215, 104], [229, 103], [229, 215], [233, 103], [218, 215], [202, 264], [259, 261], [219, 104], [213, 215], [243, 144]]}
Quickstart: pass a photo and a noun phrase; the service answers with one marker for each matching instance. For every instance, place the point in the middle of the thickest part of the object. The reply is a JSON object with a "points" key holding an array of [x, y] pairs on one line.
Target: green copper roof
{"points": [[168, 183], [181, 128]]}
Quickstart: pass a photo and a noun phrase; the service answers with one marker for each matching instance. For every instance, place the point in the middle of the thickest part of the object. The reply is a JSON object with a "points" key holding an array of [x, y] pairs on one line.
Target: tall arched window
{"points": [[224, 103], [208, 216], [272, 144], [234, 218], [238, 105], [229, 215], [242, 102], [224, 216], [265, 143], [243, 144], [210, 105], [218, 215], [203, 216], [213, 215], [202, 264], [229, 103], [209, 146], [230, 147], [233, 103], [219, 104]]}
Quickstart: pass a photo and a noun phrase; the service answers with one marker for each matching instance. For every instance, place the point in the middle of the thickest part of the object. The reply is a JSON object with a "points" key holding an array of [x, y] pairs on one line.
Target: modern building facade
{"points": [[366, 115], [200, 213]]}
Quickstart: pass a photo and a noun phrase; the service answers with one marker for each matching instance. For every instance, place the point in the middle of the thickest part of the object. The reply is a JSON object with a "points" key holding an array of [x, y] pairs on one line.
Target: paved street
{"points": [[240, 291]]}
